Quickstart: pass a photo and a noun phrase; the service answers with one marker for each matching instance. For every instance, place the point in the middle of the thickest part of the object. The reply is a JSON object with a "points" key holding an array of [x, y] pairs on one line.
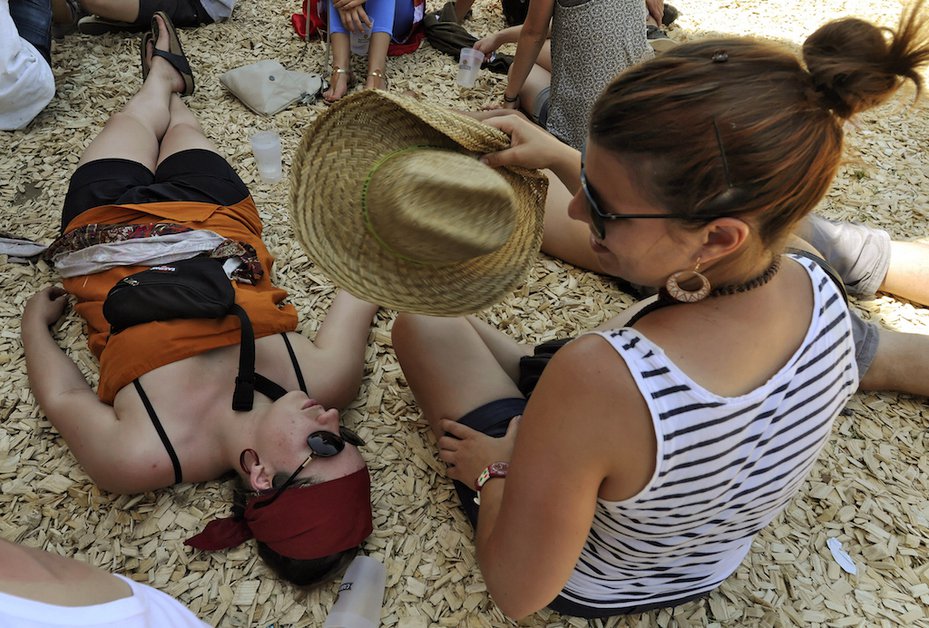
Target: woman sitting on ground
{"points": [[383, 21], [647, 458], [163, 413]]}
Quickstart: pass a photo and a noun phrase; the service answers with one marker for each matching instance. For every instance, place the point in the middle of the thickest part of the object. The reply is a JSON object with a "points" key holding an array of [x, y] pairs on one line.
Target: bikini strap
{"points": [[293, 360], [178, 478], [272, 390]]}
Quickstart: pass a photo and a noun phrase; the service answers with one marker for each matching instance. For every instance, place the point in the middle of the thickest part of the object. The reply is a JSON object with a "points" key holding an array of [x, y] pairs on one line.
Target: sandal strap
{"points": [[179, 62]]}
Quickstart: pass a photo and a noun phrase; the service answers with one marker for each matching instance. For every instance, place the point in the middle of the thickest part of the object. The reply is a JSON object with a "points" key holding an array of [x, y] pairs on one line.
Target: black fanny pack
{"points": [[192, 288]]}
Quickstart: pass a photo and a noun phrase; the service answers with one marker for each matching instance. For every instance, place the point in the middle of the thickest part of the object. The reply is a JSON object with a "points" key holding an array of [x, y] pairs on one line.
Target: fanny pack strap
{"points": [[243, 397]]}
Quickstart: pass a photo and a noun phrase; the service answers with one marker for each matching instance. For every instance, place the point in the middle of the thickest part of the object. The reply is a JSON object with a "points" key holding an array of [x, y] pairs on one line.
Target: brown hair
{"points": [[738, 125], [306, 573]]}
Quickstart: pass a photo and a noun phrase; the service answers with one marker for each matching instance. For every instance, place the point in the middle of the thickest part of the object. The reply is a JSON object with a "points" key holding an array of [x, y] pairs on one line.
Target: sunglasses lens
{"points": [[351, 437], [325, 444]]}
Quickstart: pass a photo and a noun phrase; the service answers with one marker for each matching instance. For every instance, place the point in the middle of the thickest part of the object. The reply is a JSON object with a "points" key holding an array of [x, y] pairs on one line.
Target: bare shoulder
{"points": [[588, 396]]}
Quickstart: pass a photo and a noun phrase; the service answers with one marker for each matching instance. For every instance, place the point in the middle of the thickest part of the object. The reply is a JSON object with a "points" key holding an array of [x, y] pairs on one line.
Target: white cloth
{"points": [[151, 251], [219, 10], [145, 608], [26, 80]]}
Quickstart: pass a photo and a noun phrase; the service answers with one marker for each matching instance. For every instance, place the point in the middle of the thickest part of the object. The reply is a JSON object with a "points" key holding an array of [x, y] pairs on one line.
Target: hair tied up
{"points": [[856, 65]]}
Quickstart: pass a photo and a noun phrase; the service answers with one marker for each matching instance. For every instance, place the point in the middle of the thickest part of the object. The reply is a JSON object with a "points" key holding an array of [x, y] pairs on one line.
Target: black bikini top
{"points": [[271, 390]]}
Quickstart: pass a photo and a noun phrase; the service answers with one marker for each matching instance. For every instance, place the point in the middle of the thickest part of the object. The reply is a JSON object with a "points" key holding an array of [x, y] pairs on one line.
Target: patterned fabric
{"points": [[135, 351], [725, 466], [248, 272], [592, 42]]}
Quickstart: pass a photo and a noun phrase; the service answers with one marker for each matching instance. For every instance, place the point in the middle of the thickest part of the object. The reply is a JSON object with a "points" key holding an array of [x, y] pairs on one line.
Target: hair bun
{"points": [[854, 65]]}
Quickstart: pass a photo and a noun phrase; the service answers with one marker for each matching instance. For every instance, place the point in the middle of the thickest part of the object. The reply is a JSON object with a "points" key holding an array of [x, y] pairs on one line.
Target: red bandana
{"points": [[303, 523]]}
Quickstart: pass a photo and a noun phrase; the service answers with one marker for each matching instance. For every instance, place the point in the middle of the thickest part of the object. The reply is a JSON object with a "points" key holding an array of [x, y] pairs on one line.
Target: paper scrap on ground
{"points": [[841, 556]]}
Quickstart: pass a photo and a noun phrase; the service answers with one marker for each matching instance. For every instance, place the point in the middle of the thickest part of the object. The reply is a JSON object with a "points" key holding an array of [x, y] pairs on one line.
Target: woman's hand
{"points": [[355, 19], [655, 9], [343, 5], [468, 451], [531, 146], [488, 45], [46, 306]]}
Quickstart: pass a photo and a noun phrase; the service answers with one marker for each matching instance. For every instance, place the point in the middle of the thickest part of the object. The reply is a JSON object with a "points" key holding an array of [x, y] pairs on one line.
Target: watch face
{"points": [[499, 467]]}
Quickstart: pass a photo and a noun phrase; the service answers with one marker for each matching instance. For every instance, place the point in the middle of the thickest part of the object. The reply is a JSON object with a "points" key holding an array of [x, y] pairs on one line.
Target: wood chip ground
{"points": [[869, 488]]}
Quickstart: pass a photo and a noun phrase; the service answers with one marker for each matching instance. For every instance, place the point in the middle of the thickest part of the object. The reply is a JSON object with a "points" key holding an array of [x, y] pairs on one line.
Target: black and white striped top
{"points": [[726, 466]]}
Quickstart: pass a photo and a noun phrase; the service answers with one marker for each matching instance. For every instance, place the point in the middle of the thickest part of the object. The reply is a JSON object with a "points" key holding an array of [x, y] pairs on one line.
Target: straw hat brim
{"points": [[327, 177]]}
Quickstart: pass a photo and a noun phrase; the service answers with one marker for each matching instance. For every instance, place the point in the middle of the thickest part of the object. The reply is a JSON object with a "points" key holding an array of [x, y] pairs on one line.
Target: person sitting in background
{"points": [[27, 84], [382, 21], [133, 16]]}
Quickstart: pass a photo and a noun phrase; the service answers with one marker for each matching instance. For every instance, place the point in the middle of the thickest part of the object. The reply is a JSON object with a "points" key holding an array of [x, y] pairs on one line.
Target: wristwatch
{"points": [[491, 471]]}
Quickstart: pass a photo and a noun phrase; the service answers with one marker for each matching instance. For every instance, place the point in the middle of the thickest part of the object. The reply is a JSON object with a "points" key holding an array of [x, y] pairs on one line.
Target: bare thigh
{"points": [[449, 367]]}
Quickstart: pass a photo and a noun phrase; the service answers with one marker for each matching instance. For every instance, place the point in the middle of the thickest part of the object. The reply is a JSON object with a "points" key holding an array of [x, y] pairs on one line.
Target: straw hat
{"points": [[389, 200]]}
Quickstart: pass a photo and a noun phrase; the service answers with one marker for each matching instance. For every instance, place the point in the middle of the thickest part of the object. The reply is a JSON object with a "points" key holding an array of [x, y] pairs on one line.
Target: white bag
{"points": [[266, 87]]}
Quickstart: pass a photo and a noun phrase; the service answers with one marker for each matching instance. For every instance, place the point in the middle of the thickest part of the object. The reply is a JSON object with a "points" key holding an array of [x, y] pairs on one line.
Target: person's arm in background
{"points": [[532, 37]]}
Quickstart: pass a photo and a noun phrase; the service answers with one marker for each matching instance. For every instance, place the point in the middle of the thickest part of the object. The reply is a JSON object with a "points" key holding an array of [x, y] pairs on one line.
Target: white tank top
{"points": [[725, 466]]}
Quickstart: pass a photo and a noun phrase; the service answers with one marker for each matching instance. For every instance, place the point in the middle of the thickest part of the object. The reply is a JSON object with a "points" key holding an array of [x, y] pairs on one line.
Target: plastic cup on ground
{"points": [[469, 65], [361, 595], [266, 145], [360, 41]]}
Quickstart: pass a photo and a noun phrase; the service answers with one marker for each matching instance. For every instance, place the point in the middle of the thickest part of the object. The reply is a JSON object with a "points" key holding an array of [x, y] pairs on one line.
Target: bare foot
{"points": [[377, 79], [338, 85], [160, 68]]}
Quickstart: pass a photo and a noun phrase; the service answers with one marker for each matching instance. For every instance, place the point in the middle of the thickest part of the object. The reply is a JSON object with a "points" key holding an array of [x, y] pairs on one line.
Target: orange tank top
{"points": [[137, 350]]}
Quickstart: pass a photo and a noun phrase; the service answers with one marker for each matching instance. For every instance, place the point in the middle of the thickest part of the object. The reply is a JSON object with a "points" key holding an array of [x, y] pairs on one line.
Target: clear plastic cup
{"points": [[361, 41], [266, 145], [469, 64], [361, 595]]}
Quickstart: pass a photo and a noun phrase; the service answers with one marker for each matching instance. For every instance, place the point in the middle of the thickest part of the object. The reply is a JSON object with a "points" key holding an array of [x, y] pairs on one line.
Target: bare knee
{"points": [[120, 10], [408, 333]]}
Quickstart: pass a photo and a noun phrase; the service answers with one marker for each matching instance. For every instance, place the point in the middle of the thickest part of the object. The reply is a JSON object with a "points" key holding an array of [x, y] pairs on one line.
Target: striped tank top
{"points": [[725, 467]]}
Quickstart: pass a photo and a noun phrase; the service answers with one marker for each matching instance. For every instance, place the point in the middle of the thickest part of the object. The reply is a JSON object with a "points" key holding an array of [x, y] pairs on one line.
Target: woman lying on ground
{"points": [[384, 20], [647, 458], [163, 413]]}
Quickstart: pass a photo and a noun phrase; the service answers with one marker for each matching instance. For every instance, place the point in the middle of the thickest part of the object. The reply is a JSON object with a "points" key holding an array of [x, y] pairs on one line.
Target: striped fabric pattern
{"points": [[726, 466]]}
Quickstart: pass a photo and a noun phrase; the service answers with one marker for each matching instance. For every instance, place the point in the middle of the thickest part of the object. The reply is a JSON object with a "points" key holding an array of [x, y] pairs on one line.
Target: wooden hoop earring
{"points": [[673, 285]]}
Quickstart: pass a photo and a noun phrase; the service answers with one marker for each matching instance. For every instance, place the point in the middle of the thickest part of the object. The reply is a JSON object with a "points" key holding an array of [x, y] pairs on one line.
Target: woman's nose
{"points": [[577, 208]]}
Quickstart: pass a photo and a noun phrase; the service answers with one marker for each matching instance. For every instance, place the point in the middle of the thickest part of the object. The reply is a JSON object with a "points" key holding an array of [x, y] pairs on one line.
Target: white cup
{"points": [[361, 40], [469, 64], [266, 145], [361, 595]]}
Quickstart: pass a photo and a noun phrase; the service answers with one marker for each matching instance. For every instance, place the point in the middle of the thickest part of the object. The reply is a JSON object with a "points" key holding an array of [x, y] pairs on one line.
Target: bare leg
{"points": [[136, 132], [439, 355], [377, 61], [564, 237], [539, 78], [341, 60], [116, 10], [184, 132], [908, 274], [901, 364], [506, 351], [545, 56]]}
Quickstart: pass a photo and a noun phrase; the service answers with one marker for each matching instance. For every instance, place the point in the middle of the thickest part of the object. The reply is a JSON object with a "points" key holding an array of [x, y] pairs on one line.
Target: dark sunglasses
{"points": [[323, 444], [598, 217]]}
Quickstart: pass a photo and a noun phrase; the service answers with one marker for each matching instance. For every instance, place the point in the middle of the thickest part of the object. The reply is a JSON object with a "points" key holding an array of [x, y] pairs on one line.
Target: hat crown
{"points": [[437, 206]]}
